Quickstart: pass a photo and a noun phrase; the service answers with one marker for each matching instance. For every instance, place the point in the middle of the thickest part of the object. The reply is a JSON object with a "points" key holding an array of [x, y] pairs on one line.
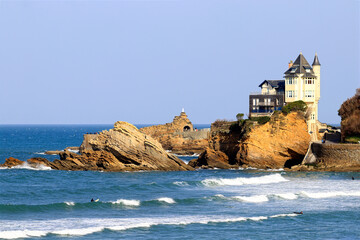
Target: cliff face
{"points": [[350, 117], [281, 142], [179, 136], [123, 148]]}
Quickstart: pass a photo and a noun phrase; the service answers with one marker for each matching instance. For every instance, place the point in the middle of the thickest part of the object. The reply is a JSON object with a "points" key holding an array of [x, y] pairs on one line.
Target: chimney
{"points": [[290, 63]]}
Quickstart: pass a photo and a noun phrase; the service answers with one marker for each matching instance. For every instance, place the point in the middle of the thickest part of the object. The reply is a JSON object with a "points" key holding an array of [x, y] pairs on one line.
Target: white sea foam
{"points": [[181, 183], [330, 194], [166, 199], [273, 178], [70, 203], [253, 199], [86, 226], [73, 151], [288, 196], [126, 202], [43, 153], [21, 234], [38, 167]]}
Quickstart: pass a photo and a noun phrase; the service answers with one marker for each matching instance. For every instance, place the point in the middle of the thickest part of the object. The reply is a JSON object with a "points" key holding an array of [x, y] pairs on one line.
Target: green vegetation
{"points": [[352, 139], [294, 106], [261, 120], [239, 116]]}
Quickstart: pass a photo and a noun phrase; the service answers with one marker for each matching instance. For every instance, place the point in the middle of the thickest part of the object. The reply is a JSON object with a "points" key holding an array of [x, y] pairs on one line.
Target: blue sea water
{"points": [[202, 204]]}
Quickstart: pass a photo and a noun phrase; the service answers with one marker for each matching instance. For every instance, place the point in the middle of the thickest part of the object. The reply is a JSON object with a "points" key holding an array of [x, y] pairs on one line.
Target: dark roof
{"points": [[280, 84], [316, 60], [299, 66]]}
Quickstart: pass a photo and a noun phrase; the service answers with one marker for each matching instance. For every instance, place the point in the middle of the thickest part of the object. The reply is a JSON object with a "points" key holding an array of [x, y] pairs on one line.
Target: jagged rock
{"points": [[11, 162], [123, 148], [35, 162], [281, 142], [211, 159]]}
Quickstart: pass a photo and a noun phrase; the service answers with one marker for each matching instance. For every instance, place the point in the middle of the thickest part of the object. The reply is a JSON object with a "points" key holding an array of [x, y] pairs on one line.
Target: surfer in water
{"points": [[299, 212], [92, 200]]}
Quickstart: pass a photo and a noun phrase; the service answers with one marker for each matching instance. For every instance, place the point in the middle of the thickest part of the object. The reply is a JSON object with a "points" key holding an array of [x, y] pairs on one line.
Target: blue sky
{"points": [[142, 61]]}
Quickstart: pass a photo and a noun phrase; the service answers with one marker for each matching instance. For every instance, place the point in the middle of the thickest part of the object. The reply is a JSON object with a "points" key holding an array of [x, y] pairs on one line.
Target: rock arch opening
{"points": [[186, 129]]}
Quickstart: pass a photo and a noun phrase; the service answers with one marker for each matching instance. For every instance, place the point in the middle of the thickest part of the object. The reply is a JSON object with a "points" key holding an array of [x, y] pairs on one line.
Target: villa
{"points": [[302, 82]]}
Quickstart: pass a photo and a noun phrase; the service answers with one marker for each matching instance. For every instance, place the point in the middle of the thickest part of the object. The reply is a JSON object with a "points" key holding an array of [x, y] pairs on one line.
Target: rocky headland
{"points": [[123, 148], [281, 142]]}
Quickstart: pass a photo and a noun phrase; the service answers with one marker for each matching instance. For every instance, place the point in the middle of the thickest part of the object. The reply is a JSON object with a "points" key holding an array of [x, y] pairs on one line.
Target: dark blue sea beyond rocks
{"points": [[203, 204]]}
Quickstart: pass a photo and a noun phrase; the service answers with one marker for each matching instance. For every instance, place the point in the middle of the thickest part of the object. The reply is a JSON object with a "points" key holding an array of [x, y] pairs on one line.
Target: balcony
{"points": [[266, 94]]}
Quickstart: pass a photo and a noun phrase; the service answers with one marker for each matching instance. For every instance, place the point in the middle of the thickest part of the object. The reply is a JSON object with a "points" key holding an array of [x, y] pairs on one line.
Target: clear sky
{"points": [[142, 61]]}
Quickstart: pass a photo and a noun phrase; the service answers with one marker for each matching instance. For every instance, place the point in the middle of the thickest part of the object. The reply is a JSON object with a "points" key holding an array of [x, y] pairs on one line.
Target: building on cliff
{"points": [[270, 99], [302, 82]]}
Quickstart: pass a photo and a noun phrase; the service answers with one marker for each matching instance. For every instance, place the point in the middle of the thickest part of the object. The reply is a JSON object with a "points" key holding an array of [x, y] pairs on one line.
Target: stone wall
{"points": [[333, 157], [194, 135], [337, 154]]}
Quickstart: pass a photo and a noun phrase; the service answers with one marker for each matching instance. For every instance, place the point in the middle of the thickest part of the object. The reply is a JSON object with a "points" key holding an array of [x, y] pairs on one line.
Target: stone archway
{"points": [[186, 128]]}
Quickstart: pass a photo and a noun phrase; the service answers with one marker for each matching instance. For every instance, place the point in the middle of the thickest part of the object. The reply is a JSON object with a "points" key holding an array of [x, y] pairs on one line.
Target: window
{"points": [[309, 81], [255, 101], [309, 93], [290, 94], [267, 101], [307, 70], [312, 116], [291, 81], [292, 70]]}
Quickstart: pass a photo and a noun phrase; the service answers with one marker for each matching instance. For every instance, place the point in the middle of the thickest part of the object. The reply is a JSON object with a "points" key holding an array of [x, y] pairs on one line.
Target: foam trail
{"points": [[253, 199], [181, 183], [25, 165], [70, 203], [288, 196], [127, 202], [329, 194], [86, 226], [21, 234], [272, 178], [166, 199]]}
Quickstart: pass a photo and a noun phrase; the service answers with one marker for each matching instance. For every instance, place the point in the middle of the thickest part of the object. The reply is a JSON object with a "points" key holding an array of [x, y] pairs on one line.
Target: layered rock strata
{"points": [[123, 148]]}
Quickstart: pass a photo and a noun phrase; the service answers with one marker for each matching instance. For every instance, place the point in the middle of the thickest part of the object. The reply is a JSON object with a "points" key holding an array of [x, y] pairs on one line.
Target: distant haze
{"points": [[142, 61]]}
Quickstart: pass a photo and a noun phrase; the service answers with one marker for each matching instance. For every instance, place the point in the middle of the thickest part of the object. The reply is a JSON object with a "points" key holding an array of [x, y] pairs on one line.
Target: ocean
{"points": [[201, 204]]}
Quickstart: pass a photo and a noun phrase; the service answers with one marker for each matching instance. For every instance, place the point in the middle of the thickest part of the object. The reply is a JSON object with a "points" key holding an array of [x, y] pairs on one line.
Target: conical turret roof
{"points": [[300, 65], [316, 60]]}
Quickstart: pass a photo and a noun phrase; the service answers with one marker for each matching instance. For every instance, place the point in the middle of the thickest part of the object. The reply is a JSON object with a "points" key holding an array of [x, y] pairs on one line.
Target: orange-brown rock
{"points": [[11, 162], [281, 142], [179, 136], [36, 162], [211, 159], [123, 148]]}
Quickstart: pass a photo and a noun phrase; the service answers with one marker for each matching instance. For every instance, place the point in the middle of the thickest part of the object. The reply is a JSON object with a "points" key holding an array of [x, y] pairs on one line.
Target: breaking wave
{"points": [[86, 226], [166, 199], [126, 202], [329, 194], [38, 167], [273, 178]]}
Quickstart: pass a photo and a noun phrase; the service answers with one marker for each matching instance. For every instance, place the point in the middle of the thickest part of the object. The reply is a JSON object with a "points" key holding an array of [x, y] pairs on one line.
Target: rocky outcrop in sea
{"points": [[123, 148]]}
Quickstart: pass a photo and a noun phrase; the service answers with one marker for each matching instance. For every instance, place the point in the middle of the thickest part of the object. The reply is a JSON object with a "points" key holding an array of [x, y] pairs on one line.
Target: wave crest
{"points": [[272, 178]]}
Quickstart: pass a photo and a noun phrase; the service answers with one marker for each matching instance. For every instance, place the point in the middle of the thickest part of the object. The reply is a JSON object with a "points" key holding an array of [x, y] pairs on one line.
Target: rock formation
{"points": [[179, 136], [281, 142], [123, 148], [350, 117]]}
